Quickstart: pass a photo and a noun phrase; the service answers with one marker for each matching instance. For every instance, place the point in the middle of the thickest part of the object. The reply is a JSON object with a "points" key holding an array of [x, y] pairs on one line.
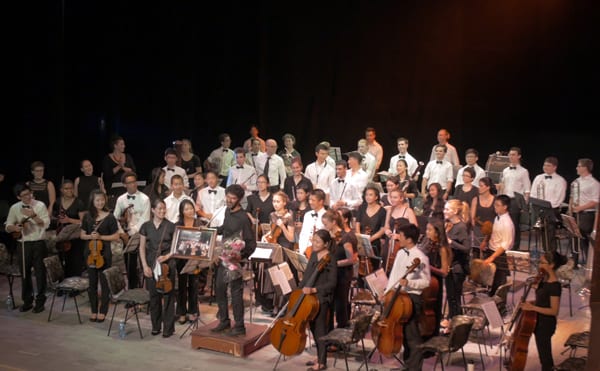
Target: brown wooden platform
{"points": [[238, 346]]}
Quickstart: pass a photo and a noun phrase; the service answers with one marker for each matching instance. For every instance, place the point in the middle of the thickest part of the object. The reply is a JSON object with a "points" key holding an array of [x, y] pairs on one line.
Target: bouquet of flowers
{"points": [[231, 255]]}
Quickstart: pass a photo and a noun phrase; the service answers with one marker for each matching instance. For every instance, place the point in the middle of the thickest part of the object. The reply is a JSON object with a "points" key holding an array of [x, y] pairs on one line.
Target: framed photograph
{"points": [[194, 243]]}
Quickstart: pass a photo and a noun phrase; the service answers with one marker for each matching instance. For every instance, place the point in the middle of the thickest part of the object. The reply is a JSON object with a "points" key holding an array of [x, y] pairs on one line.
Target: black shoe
{"points": [[155, 332], [237, 331], [38, 308], [167, 335], [25, 307], [222, 326], [428, 354]]}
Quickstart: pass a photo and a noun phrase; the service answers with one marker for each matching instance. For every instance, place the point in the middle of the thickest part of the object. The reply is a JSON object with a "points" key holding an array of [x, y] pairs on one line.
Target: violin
{"points": [[95, 258], [164, 284], [288, 335], [393, 248], [387, 332], [308, 250], [526, 321], [275, 233]]}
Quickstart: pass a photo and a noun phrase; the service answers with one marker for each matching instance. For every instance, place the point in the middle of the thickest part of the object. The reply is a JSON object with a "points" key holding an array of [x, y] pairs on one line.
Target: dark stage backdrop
{"points": [[495, 73]]}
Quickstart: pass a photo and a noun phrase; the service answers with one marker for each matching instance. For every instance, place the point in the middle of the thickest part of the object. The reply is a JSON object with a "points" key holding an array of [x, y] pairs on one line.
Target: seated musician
{"points": [[324, 287], [414, 284], [546, 304]]}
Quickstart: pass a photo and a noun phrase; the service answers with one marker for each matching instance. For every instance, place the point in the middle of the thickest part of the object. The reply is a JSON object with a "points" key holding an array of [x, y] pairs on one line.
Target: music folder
{"points": [[377, 282], [364, 246], [298, 260], [542, 207], [282, 278]]}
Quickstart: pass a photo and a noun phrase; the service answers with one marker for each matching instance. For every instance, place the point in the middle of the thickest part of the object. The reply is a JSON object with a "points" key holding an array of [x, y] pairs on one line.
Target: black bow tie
{"points": [[498, 217], [548, 177], [406, 251], [512, 167], [254, 154], [400, 157], [340, 180], [314, 215], [131, 197], [239, 167], [169, 169], [224, 149], [212, 191], [439, 162]]}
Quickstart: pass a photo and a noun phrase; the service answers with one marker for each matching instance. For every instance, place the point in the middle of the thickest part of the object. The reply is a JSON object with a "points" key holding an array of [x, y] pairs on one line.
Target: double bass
{"points": [[526, 321], [288, 335], [387, 331]]}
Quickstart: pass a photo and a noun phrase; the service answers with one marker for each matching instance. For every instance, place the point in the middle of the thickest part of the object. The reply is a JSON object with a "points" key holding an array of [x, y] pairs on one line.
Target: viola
{"points": [[365, 265], [164, 284], [95, 258], [288, 335], [275, 233], [387, 331], [526, 321]]}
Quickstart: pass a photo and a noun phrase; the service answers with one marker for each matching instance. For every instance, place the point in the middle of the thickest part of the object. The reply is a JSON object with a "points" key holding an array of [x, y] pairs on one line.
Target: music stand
{"points": [[542, 210], [365, 249]]}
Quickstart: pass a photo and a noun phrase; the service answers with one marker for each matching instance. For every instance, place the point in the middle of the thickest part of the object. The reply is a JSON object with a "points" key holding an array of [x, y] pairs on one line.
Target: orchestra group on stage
{"points": [[425, 231]]}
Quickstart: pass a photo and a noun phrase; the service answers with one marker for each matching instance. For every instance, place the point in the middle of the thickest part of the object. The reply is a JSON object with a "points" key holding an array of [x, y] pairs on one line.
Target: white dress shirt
{"points": [[244, 175], [223, 159], [139, 212], [339, 189], [503, 232], [277, 172], [312, 222], [438, 173], [589, 190], [368, 165], [170, 171], [358, 179], [172, 204], [211, 199], [552, 189], [410, 161], [418, 280], [257, 161], [451, 154], [479, 173], [31, 230], [321, 175], [515, 180]]}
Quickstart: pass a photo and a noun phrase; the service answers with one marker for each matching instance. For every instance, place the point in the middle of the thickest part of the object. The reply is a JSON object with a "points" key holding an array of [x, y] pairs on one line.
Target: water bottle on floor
{"points": [[122, 329], [9, 302]]}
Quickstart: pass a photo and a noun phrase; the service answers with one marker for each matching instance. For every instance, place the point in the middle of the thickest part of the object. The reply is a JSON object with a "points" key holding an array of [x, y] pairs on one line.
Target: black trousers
{"points": [[544, 330], [501, 270], [94, 276], [162, 306], [187, 291], [341, 304], [74, 263], [237, 299], [34, 254], [454, 287], [319, 327], [131, 264], [514, 210], [413, 356]]}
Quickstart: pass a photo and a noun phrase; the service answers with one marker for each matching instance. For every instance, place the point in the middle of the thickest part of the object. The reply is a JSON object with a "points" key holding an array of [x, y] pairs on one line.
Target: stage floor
{"points": [[29, 342]]}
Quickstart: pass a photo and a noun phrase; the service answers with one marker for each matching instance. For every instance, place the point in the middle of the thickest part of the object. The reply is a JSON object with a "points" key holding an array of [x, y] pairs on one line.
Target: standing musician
{"points": [[411, 162], [114, 165], [132, 209], [391, 183], [99, 227], [551, 187], [458, 234], [187, 292], [157, 188], [466, 191], [435, 246], [414, 284], [324, 288], [440, 171], [242, 174], [344, 252], [546, 304], [500, 241], [471, 157], [312, 221], [482, 210], [87, 182], [370, 220], [433, 204], [398, 214], [406, 181], [588, 194], [235, 226], [260, 205], [299, 207], [155, 241], [27, 220], [210, 202], [343, 193]]}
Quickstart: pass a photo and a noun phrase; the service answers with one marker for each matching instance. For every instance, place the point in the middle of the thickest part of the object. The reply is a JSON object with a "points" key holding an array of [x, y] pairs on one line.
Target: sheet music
{"points": [[377, 282], [299, 261], [492, 313], [364, 245], [261, 253], [281, 276]]}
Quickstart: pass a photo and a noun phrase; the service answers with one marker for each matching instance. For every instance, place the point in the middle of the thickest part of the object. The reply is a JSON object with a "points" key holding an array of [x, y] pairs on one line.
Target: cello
{"points": [[387, 331], [427, 320], [526, 321], [393, 248], [288, 335]]}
